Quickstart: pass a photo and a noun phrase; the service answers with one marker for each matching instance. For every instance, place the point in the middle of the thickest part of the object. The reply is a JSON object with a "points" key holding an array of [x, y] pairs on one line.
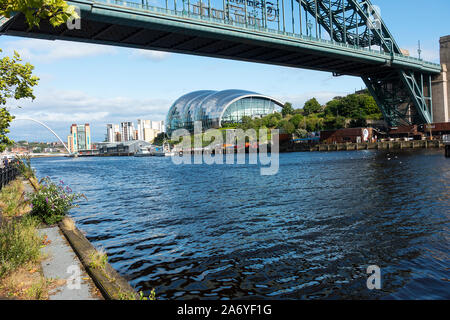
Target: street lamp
{"points": [[419, 50], [309, 25]]}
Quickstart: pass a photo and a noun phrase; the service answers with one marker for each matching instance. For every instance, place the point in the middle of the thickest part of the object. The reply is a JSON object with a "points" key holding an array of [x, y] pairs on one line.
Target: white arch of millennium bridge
{"points": [[47, 127]]}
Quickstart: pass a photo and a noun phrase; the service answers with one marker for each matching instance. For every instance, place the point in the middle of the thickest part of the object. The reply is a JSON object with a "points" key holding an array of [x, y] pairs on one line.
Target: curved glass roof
{"points": [[198, 105]]}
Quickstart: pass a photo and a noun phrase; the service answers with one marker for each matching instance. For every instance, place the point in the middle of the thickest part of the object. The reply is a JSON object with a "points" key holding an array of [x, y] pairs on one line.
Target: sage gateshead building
{"points": [[215, 109]]}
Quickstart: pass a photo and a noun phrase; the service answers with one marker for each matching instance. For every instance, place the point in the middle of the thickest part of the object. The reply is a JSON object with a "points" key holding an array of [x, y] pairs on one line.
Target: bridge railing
{"points": [[230, 22], [218, 15]]}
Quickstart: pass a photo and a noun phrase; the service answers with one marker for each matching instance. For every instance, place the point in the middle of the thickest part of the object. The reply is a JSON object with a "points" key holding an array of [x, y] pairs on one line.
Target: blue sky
{"points": [[104, 84]]}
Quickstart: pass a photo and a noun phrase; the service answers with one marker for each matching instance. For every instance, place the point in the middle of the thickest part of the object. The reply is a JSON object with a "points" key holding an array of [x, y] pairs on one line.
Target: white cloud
{"points": [[49, 51], [151, 54], [426, 54], [59, 109]]}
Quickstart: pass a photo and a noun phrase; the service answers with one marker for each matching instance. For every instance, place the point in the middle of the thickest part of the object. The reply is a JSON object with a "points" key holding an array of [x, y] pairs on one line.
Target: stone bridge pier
{"points": [[441, 85]]}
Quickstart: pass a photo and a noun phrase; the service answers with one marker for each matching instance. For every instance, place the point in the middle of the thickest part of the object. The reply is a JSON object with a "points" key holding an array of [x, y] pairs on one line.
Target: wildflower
{"points": [[46, 200]]}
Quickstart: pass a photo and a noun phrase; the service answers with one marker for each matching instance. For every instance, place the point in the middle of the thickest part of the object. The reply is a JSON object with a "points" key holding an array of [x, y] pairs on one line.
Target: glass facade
{"points": [[81, 134], [216, 108]]}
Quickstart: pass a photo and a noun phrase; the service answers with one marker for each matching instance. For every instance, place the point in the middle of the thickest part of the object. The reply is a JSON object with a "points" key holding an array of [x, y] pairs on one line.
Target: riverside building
{"points": [[146, 130], [217, 108], [79, 138]]}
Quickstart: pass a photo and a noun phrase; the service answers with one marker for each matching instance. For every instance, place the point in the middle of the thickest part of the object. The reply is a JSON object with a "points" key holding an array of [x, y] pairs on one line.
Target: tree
{"points": [[16, 79], [297, 120], [314, 123], [16, 82], [353, 106], [160, 137], [286, 127], [271, 120], [311, 106], [56, 12], [331, 123], [287, 109], [246, 123]]}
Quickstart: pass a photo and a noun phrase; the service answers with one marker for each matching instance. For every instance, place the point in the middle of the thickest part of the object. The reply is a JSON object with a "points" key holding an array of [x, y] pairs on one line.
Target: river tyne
{"points": [[308, 232]]}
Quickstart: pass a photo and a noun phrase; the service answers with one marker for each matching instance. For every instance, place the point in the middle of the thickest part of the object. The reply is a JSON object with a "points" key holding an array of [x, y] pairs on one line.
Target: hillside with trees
{"points": [[352, 110]]}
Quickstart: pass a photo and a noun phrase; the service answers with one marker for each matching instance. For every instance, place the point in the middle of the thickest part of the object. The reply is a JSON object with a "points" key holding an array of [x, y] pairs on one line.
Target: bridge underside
{"points": [[181, 41], [400, 92]]}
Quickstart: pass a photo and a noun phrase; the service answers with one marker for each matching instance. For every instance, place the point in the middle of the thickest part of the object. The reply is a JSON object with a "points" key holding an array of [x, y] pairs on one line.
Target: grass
{"points": [[98, 259], [27, 171], [28, 283], [19, 244], [141, 296], [12, 200], [38, 290]]}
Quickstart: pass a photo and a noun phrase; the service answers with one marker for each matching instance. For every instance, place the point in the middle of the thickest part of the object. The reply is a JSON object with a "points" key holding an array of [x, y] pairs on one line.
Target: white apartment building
{"points": [[127, 131], [146, 130], [113, 133]]}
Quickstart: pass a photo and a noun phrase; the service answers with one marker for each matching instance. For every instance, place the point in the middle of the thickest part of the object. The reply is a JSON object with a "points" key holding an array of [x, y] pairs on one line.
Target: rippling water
{"points": [[225, 232]]}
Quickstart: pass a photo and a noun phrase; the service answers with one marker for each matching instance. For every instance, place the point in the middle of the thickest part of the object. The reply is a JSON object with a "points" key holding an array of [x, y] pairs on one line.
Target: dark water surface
{"points": [[225, 231]]}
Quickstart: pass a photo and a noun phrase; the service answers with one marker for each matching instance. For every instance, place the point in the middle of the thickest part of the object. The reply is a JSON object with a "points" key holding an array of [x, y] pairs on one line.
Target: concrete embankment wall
{"points": [[387, 145], [109, 282]]}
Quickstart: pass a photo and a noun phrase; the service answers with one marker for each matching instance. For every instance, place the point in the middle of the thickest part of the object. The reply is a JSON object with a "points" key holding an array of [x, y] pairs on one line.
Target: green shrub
{"points": [[12, 201], [52, 201], [24, 165], [19, 244]]}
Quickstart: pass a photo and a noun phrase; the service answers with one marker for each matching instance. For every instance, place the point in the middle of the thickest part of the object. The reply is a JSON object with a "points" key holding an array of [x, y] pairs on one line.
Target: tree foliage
{"points": [[16, 79], [287, 109], [56, 12], [354, 106], [16, 82], [311, 106], [298, 121], [353, 111], [286, 126]]}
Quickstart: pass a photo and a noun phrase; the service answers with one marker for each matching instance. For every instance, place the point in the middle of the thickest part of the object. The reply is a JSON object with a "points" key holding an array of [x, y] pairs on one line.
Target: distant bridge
{"points": [[346, 37], [48, 128]]}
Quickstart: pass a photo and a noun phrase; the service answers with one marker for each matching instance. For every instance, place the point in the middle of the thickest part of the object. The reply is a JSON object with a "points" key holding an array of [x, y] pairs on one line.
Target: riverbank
{"points": [[55, 262], [382, 145]]}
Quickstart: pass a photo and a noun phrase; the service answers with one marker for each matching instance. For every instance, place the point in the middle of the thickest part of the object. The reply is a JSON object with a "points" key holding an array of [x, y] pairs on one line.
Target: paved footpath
{"points": [[61, 263]]}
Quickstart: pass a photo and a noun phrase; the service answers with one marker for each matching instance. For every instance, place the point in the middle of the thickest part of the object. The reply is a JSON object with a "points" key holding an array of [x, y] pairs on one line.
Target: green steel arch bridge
{"points": [[345, 37]]}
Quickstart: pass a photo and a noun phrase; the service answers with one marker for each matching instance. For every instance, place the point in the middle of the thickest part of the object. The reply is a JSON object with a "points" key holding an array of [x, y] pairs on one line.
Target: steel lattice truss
{"points": [[403, 96]]}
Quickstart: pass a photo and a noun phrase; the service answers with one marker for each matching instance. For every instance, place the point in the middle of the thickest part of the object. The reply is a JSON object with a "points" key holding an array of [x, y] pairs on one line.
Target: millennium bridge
{"points": [[345, 37]]}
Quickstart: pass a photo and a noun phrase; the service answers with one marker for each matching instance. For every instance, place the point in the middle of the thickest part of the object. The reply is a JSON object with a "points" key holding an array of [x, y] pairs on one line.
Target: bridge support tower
{"points": [[441, 85]]}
